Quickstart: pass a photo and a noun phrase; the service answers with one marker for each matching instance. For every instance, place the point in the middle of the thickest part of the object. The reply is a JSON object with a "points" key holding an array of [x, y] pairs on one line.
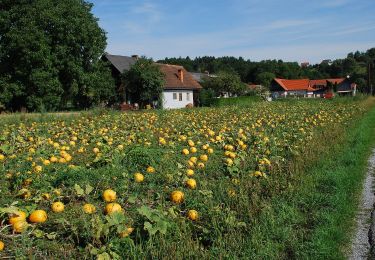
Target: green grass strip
{"points": [[317, 219], [336, 183]]}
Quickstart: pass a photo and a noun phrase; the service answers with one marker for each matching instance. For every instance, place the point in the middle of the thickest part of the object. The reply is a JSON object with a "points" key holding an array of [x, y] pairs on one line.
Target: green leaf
{"points": [[9, 210], [115, 219], [94, 251], [145, 211], [79, 190], [103, 256], [207, 193], [5, 148], [148, 226], [162, 226], [172, 212], [89, 189], [52, 236], [132, 199], [38, 233]]}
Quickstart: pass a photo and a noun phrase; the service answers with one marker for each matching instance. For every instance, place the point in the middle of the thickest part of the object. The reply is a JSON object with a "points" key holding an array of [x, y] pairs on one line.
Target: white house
{"points": [[180, 87]]}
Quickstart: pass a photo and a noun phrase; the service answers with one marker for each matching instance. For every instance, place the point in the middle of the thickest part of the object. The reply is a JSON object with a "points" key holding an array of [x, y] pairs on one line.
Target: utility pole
{"points": [[369, 83]]}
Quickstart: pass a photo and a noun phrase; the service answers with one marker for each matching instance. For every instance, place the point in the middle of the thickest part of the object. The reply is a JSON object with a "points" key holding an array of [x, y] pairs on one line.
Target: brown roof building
{"points": [[180, 88], [177, 77]]}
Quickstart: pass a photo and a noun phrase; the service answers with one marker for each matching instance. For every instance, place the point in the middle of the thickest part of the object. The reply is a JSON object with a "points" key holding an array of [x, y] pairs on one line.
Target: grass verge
{"points": [[317, 219]]}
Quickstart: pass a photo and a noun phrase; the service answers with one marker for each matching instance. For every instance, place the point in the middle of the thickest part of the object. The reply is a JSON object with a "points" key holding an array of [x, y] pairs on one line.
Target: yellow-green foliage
{"points": [[240, 159]]}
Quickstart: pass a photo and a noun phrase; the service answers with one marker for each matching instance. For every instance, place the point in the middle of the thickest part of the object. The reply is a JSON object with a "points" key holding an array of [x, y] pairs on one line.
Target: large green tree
{"points": [[50, 55], [144, 81], [265, 78], [225, 82]]}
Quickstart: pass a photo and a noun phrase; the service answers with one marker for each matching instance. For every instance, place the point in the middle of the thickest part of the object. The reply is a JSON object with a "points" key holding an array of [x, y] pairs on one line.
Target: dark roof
{"points": [[121, 63], [198, 76], [172, 80], [323, 82]]}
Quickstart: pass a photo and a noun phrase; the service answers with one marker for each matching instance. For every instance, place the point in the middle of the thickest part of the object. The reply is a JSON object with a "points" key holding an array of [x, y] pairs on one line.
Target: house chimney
{"points": [[181, 75], [135, 56]]}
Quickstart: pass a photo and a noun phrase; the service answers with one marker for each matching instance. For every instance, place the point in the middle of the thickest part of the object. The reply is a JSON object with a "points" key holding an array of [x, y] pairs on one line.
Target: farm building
{"points": [[180, 89], [311, 88]]}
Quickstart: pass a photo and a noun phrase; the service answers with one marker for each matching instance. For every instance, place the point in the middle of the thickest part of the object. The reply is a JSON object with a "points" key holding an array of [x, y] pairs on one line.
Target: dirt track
{"points": [[361, 246]]}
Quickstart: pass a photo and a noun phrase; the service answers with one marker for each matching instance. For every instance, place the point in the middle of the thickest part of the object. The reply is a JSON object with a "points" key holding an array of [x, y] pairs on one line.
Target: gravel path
{"points": [[360, 244]]}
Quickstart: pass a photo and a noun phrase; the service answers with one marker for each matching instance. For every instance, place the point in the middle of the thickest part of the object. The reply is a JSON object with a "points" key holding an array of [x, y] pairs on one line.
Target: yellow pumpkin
{"points": [[191, 183], [89, 208], [112, 207], [13, 218], [109, 195], [20, 226], [192, 214], [38, 216], [58, 207], [177, 196]]}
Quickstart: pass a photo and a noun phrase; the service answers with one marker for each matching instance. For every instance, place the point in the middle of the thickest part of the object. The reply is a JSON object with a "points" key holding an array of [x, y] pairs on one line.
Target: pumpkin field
{"points": [[161, 184]]}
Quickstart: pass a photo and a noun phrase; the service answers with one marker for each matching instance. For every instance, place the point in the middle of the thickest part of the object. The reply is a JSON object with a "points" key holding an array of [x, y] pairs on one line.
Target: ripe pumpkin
{"points": [[204, 158], [191, 183], [20, 215], [138, 177], [192, 214], [200, 165], [193, 149], [20, 226], [150, 169], [38, 216], [112, 207], [189, 172], [58, 207], [109, 195], [2, 245], [89, 208], [177, 196]]}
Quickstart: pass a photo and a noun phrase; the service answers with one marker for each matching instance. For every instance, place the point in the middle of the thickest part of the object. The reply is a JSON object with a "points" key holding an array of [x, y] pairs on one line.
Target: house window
{"points": [[180, 96], [174, 96], [188, 96]]}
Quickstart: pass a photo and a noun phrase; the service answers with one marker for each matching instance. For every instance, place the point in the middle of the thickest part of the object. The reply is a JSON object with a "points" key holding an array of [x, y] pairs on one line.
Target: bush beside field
{"points": [[249, 164]]}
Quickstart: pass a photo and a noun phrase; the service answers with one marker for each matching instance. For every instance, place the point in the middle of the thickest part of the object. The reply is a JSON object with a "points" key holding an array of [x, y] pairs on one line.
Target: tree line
{"points": [[50, 60], [356, 65]]}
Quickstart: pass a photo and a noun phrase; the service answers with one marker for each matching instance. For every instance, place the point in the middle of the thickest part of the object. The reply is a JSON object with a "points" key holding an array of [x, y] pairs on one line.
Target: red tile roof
{"points": [[294, 84], [306, 84], [172, 80]]}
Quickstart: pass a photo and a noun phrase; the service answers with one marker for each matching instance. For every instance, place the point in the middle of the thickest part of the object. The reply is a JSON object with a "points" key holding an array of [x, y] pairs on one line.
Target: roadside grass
{"points": [[316, 220]]}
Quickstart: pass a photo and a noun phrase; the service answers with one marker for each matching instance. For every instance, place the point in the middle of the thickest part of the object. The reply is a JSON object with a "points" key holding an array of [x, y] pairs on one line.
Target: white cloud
{"points": [[149, 10], [283, 24]]}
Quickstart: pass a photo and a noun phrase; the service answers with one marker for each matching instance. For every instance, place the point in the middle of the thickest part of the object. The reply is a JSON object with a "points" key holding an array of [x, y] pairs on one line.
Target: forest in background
{"points": [[355, 65]]}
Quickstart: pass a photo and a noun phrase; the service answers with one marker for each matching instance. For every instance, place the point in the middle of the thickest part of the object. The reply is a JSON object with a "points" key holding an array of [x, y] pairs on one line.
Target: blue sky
{"points": [[291, 30]]}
